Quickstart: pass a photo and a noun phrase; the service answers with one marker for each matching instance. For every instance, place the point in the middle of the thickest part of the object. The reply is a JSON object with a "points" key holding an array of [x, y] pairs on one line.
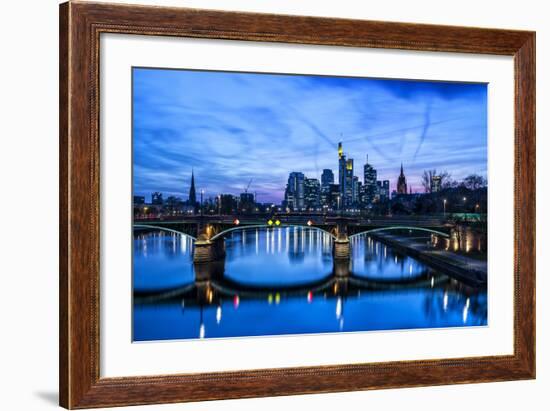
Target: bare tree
{"points": [[427, 177], [475, 181], [445, 178]]}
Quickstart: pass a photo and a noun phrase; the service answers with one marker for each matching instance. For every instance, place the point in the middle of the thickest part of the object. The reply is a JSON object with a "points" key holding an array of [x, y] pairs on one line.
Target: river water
{"points": [[284, 280]]}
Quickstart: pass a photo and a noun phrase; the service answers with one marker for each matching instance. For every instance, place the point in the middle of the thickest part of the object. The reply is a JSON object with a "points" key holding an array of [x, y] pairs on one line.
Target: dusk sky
{"points": [[233, 127]]}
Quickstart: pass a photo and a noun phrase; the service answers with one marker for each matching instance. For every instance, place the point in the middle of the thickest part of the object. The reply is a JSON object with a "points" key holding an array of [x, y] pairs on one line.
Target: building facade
{"points": [[312, 193], [294, 193], [341, 176], [327, 178], [383, 190], [370, 188], [435, 184], [156, 198]]}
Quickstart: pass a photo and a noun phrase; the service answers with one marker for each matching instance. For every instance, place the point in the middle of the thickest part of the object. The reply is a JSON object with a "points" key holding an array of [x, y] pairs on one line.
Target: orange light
{"points": [[309, 222], [236, 221]]}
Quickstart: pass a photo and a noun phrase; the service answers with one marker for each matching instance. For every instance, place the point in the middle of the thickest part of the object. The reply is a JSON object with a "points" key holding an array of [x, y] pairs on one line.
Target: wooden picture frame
{"points": [[80, 27]]}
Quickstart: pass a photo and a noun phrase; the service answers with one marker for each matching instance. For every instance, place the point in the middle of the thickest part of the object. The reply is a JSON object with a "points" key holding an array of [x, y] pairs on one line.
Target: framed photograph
{"points": [[259, 205]]}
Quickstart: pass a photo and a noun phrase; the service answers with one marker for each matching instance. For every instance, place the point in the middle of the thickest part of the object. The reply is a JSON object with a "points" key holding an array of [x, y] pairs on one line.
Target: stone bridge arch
{"points": [[161, 228]]}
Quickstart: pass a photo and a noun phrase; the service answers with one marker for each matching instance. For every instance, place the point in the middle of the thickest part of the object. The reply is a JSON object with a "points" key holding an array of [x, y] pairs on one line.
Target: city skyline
{"points": [[229, 128]]}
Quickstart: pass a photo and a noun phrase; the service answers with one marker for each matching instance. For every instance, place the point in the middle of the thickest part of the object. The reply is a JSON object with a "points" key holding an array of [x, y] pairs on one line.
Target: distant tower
{"points": [[192, 192], [401, 182], [342, 176]]}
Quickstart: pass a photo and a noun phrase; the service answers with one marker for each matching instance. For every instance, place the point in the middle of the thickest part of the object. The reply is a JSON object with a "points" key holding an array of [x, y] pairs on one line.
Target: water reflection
{"points": [[162, 260], [284, 281], [372, 259]]}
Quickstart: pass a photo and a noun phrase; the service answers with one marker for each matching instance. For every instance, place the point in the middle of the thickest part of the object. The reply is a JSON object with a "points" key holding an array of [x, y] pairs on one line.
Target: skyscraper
{"points": [[348, 197], [369, 175], [341, 175], [401, 182], [192, 194], [334, 197], [383, 190], [294, 193], [327, 178], [356, 187], [312, 193]]}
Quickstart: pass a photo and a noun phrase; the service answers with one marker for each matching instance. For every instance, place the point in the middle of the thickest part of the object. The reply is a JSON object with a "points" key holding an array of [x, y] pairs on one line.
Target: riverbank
{"points": [[469, 270]]}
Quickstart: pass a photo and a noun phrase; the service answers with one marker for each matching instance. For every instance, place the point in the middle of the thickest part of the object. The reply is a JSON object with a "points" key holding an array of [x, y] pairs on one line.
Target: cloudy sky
{"points": [[233, 127]]}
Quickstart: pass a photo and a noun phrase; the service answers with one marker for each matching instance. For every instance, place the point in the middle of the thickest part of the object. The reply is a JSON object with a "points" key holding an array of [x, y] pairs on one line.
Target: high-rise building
{"points": [[435, 184], [246, 202], [369, 178], [334, 197], [348, 193], [156, 198], [401, 182], [342, 175], [227, 204], [327, 178], [294, 193], [383, 190], [355, 192], [312, 193], [192, 193]]}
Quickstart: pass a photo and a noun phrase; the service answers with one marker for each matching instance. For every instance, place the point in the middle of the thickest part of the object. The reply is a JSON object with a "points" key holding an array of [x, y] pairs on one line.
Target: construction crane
{"points": [[248, 186]]}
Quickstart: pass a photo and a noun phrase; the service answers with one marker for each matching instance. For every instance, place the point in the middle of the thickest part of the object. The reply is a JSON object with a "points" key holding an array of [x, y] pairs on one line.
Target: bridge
{"points": [[209, 231]]}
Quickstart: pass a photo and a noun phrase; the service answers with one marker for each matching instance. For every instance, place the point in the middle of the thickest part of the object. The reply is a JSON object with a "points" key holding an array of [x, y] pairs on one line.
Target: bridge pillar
{"points": [[205, 272], [341, 268], [206, 251], [342, 249]]}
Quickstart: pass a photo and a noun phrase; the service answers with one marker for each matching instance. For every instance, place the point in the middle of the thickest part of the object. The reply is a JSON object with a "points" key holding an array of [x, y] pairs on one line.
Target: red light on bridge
{"points": [[309, 296], [236, 221], [236, 301]]}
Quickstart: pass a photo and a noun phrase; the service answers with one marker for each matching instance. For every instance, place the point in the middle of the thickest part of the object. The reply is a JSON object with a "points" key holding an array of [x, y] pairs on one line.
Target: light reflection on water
{"points": [[253, 296]]}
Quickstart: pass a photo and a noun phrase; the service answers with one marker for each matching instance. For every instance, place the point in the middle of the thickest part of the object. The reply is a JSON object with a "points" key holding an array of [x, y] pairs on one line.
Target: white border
{"points": [[119, 357]]}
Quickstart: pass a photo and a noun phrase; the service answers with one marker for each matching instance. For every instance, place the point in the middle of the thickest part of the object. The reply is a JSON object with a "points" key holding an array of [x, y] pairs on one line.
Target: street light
{"points": [[444, 207]]}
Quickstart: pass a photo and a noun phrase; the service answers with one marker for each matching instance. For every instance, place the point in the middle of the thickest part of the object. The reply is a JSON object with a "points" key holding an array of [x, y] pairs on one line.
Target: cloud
{"points": [[230, 127]]}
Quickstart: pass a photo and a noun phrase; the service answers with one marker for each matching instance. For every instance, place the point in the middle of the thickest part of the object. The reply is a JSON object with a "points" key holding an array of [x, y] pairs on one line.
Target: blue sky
{"points": [[231, 127]]}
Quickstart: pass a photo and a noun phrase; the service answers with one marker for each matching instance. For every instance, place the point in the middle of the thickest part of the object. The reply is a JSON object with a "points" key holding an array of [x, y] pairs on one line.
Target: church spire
{"points": [[401, 182], [192, 192]]}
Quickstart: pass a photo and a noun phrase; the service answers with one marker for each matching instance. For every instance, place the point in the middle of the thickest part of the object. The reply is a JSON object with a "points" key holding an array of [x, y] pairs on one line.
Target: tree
{"points": [[428, 176], [475, 181]]}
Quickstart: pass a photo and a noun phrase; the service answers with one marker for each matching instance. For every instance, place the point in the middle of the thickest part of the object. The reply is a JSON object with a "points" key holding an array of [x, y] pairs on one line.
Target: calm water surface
{"points": [[284, 281]]}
